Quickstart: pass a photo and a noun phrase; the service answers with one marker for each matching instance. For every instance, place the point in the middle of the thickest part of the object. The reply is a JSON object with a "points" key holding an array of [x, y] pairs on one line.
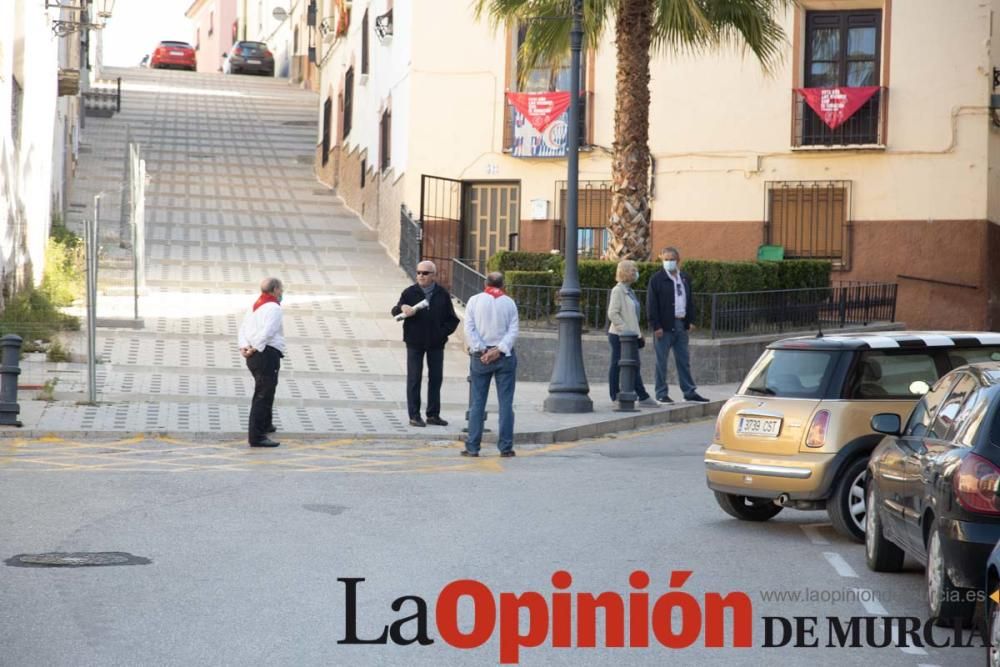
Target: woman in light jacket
{"points": [[623, 313]]}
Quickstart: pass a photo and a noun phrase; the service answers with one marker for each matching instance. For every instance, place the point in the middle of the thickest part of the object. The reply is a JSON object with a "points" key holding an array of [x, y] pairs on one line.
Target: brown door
{"points": [[492, 216]]}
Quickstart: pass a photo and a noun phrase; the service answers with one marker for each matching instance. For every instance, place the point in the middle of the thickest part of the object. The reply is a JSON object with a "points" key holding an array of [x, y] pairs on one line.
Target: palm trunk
{"points": [[630, 214]]}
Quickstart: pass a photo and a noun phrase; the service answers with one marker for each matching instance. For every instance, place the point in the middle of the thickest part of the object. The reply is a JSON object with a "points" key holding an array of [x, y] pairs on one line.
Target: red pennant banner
{"points": [[836, 105], [540, 109]]}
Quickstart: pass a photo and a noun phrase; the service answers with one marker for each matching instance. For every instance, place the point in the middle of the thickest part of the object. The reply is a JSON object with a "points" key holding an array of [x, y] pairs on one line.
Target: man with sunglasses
{"points": [[670, 311], [429, 319]]}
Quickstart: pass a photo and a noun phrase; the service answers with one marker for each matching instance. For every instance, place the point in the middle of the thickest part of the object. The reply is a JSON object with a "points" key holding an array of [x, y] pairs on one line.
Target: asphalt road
{"points": [[246, 547]]}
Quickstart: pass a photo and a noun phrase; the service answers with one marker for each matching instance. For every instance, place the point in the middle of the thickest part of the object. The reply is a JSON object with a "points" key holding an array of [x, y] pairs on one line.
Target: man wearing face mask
{"points": [[670, 311]]}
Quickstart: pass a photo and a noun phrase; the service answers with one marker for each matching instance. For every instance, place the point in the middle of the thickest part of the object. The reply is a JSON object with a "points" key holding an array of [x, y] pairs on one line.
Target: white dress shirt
{"points": [[263, 328], [491, 322], [680, 295]]}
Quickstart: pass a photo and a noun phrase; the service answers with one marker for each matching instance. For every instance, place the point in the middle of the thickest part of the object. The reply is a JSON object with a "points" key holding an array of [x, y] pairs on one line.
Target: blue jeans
{"points": [[678, 340], [504, 370], [616, 354]]}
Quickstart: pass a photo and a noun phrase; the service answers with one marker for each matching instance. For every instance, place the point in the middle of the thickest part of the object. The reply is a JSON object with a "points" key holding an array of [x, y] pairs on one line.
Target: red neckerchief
{"points": [[264, 298], [494, 292]]}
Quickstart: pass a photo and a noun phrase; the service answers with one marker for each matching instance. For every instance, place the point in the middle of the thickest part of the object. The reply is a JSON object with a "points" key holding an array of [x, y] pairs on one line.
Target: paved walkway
{"points": [[232, 198]]}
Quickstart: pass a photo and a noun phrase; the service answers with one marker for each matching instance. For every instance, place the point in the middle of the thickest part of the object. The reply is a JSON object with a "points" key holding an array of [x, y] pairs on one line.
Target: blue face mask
{"points": [[670, 265], [280, 297]]}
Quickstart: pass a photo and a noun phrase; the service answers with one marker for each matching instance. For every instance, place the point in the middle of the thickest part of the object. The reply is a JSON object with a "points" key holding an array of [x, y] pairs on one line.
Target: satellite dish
{"points": [[279, 14]]}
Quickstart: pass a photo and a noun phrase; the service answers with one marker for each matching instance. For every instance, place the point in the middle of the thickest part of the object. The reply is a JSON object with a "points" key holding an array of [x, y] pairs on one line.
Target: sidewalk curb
{"points": [[623, 424]]}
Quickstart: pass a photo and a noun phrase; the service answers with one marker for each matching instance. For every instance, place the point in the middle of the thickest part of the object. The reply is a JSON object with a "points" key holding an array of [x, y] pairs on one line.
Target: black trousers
{"points": [[264, 365], [415, 376]]}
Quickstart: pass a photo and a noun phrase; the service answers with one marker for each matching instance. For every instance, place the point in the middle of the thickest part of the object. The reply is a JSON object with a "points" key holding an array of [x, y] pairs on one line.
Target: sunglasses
{"points": [[425, 273]]}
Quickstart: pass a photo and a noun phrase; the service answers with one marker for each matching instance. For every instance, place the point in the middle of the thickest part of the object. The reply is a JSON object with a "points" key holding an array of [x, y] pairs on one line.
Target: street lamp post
{"points": [[568, 389]]}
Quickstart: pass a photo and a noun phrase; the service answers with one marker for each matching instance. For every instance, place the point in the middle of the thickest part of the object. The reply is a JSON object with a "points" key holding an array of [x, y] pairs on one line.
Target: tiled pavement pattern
{"points": [[232, 198]]}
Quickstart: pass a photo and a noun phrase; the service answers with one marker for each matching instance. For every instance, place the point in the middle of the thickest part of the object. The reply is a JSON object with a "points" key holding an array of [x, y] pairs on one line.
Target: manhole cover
{"points": [[200, 156], [76, 559], [305, 159]]}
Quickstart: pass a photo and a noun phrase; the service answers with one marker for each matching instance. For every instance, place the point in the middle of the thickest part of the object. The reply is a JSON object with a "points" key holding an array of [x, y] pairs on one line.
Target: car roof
{"points": [[988, 372], [889, 340]]}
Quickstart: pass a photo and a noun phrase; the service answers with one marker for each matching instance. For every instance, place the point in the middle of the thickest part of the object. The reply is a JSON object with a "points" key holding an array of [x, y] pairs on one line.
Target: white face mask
{"points": [[670, 265]]}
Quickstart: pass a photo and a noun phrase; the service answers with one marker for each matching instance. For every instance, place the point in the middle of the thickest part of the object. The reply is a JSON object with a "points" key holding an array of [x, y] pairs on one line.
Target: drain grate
{"points": [[76, 559]]}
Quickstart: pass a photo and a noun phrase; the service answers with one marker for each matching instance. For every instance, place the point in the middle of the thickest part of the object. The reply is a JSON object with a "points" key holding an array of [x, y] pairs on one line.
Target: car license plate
{"points": [[253, 62], [763, 426], [177, 53]]}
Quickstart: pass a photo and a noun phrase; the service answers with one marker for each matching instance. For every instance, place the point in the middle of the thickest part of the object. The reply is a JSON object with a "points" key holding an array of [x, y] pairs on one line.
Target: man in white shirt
{"points": [[491, 328], [262, 344]]}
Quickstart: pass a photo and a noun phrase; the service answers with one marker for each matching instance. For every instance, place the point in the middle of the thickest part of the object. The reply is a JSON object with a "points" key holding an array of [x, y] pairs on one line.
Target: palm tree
{"points": [[640, 27]]}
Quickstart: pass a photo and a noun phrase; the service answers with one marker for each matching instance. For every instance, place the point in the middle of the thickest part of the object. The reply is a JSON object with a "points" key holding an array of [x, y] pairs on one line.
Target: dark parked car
{"points": [[933, 489], [249, 57]]}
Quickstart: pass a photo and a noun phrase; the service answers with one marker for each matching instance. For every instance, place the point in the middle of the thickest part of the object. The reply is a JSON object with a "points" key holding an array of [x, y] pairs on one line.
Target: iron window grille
{"points": [[385, 139], [810, 219], [348, 100], [593, 217], [364, 43]]}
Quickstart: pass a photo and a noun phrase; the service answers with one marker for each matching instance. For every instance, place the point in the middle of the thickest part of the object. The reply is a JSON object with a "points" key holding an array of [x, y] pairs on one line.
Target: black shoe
{"points": [[266, 442], [507, 454], [666, 400], [466, 452], [436, 421], [696, 397], [417, 421], [271, 429]]}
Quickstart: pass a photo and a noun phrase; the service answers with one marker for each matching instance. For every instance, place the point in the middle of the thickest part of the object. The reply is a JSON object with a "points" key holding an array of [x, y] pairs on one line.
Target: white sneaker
{"points": [[649, 403]]}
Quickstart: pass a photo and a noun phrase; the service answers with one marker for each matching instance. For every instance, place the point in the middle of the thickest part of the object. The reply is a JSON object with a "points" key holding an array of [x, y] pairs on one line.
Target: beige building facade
{"points": [[906, 191]]}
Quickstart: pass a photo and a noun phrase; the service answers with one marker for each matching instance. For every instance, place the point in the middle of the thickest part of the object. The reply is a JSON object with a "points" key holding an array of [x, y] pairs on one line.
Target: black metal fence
{"points": [[749, 313], [718, 315], [409, 242], [466, 279]]}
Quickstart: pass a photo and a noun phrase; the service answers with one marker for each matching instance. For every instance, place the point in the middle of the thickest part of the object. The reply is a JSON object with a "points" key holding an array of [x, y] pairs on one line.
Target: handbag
{"points": [[642, 342]]}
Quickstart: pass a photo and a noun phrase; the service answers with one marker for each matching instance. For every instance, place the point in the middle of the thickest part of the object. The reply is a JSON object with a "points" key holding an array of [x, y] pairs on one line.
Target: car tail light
{"points": [[237, 51], [976, 482], [816, 437], [268, 54], [718, 429]]}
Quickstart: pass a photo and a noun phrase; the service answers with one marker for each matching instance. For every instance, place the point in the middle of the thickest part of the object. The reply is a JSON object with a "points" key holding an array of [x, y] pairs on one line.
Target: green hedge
{"points": [[508, 260], [708, 276]]}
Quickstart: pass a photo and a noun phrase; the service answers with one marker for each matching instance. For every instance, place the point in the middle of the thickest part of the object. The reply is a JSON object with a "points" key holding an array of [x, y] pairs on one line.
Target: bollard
{"points": [[627, 366], [10, 368], [468, 411]]}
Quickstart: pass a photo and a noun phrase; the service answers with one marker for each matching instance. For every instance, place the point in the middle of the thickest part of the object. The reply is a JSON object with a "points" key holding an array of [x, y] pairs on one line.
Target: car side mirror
{"points": [[225, 55], [888, 423]]}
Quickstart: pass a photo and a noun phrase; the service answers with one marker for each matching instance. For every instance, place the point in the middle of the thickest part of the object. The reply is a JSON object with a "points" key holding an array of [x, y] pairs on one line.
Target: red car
{"points": [[174, 54]]}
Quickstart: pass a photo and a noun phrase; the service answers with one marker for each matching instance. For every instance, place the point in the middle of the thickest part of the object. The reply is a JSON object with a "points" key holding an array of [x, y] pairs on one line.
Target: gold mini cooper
{"points": [[798, 431]]}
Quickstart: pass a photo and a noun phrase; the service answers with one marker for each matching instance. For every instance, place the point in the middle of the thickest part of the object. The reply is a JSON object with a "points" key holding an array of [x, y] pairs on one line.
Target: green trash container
{"points": [[771, 253]]}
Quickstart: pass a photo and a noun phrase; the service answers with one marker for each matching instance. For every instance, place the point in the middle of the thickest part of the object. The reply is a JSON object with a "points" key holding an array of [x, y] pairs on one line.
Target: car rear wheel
{"points": [[993, 630], [880, 554], [746, 508], [948, 603], [847, 507]]}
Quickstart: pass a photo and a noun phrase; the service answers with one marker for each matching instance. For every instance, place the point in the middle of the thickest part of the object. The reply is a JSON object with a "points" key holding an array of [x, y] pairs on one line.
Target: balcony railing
{"points": [[586, 103], [865, 128]]}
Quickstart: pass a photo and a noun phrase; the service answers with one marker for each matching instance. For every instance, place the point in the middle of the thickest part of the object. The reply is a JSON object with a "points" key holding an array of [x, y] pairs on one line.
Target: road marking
{"points": [[812, 532], [840, 565], [870, 602]]}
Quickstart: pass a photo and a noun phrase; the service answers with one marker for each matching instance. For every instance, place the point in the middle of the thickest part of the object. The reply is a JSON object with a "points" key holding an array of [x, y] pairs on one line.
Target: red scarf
{"points": [[494, 292], [264, 298]]}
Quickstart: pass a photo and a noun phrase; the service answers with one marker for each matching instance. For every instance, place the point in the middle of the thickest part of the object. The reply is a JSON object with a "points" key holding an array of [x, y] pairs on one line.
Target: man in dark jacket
{"points": [[671, 312], [429, 320]]}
